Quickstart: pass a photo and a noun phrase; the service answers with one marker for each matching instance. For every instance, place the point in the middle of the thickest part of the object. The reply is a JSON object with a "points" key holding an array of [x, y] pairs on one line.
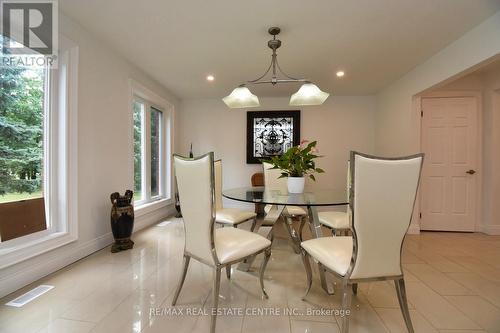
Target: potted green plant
{"points": [[297, 163]]}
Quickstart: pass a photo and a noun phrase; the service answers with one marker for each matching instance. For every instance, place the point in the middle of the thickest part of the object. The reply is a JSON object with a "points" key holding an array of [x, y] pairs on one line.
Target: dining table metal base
{"points": [[294, 236], [265, 228]]}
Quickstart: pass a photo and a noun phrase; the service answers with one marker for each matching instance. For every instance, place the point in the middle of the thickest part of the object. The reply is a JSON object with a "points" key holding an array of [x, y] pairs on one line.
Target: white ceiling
{"points": [[179, 42]]}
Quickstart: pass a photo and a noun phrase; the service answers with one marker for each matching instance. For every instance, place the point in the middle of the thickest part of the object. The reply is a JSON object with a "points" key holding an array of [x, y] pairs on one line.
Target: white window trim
{"points": [[139, 91], [62, 209]]}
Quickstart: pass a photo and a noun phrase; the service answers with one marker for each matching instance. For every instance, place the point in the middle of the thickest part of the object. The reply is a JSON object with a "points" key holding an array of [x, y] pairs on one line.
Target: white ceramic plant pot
{"points": [[296, 184]]}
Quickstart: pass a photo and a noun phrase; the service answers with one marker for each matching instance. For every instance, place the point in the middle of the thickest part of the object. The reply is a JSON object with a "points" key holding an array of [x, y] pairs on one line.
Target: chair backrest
{"points": [[257, 179], [383, 195], [195, 183], [218, 184], [271, 178]]}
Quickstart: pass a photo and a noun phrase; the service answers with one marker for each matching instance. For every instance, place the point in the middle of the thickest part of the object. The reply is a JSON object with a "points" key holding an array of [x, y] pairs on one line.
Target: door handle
{"points": [[471, 172]]}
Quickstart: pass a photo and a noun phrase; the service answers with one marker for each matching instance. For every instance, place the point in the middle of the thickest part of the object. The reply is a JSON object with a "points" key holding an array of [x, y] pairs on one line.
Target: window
{"points": [[38, 157], [23, 92], [138, 111], [156, 117], [151, 135]]}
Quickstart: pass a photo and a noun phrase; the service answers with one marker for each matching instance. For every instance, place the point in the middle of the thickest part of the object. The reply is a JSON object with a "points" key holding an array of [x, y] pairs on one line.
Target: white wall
{"points": [[342, 124], [397, 130], [105, 153], [397, 126], [491, 158], [485, 82]]}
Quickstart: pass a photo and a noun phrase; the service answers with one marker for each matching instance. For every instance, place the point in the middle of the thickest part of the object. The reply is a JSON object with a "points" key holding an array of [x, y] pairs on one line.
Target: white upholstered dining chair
{"points": [[337, 222], [229, 216], [273, 182], [382, 198], [215, 247]]}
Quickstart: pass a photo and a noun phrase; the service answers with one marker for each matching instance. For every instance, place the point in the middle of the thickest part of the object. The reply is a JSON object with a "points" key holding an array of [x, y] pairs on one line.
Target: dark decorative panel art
{"points": [[271, 133]]}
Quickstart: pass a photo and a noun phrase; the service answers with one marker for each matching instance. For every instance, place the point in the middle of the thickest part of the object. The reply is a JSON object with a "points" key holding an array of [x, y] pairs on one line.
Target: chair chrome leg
{"points": [[215, 291], [346, 305], [307, 266], [403, 303], [254, 223], [267, 255], [328, 287], [302, 224], [181, 281], [355, 288], [228, 267]]}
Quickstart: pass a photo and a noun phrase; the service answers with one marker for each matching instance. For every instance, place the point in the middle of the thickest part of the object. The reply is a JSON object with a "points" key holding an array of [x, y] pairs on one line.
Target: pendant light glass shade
{"points": [[241, 97], [308, 94]]}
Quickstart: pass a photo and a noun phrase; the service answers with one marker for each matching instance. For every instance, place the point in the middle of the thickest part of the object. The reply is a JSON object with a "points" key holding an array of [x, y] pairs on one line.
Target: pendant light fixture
{"points": [[308, 93]]}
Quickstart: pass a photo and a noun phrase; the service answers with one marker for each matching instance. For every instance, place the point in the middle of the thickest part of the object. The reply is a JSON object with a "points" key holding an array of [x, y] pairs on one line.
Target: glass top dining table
{"points": [[323, 197], [279, 200]]}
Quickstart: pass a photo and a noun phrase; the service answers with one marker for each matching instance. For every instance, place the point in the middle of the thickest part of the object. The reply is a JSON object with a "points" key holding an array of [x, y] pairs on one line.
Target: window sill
{"points": [[17, 253], [149, 207]]}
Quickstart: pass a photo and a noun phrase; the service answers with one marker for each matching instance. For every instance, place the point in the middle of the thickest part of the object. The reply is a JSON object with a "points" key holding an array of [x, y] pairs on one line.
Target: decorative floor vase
{"points": [[122, 220], [296, 184]]}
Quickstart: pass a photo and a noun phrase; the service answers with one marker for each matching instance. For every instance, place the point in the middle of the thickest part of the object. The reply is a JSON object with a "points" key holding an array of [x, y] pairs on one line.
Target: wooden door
{"points": [[449, 177]]}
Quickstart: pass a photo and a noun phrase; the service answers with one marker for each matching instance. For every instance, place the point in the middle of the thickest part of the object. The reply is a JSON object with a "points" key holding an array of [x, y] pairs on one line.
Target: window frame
{"points": [[150, 100], [60, 163]]}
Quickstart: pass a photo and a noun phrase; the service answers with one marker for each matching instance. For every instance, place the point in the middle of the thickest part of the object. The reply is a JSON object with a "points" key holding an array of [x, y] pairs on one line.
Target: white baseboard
{"points": [[50, 262], [490, 229], [153, 217]]}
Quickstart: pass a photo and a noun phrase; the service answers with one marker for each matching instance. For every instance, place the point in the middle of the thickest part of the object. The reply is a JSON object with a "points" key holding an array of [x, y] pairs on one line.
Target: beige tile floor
{"points": [[453, 284]]}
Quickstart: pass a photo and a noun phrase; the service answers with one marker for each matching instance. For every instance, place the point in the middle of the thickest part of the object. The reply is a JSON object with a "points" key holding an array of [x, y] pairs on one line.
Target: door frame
{"points": [[417, 109]]}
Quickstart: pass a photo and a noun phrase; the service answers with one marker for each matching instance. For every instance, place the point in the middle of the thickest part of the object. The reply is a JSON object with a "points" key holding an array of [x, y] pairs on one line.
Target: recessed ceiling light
{"points": [[340, 73], [210, 77]]}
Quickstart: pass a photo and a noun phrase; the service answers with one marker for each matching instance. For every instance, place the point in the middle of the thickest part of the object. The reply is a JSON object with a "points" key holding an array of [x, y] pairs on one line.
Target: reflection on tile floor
{"points": [[453, 284]]}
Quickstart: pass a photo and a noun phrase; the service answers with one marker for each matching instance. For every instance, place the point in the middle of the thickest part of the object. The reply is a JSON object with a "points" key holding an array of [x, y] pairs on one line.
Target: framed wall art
{"points": [[271, 133]]}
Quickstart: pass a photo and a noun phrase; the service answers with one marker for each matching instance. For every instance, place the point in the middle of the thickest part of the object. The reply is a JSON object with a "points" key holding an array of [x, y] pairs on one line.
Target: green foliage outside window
{"points": [[21, 130], [138, 120]]}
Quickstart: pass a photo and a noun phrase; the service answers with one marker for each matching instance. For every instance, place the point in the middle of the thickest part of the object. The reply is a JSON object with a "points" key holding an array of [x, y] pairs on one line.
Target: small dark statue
{"points": [[122, 220]]}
